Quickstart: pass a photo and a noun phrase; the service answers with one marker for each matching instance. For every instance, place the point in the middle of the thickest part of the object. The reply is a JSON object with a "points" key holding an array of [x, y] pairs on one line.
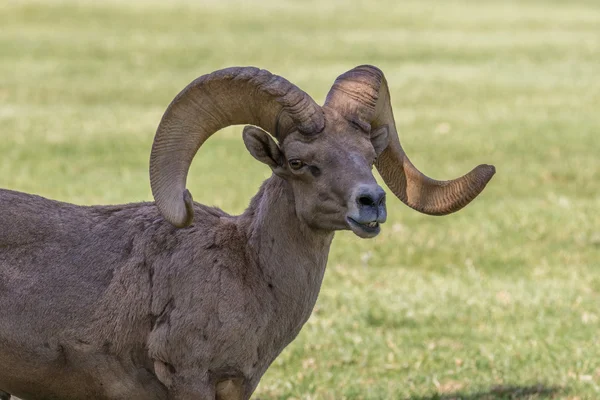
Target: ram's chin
{"points": [[366, 230]]}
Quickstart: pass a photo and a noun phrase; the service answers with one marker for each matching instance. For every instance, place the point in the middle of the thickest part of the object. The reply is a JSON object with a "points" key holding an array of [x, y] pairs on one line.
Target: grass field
{"points": [[498, 301]]}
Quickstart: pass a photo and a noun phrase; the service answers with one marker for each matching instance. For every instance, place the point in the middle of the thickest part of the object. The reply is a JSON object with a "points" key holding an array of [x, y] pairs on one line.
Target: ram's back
{"points": [[77, 287], [58, 259]]}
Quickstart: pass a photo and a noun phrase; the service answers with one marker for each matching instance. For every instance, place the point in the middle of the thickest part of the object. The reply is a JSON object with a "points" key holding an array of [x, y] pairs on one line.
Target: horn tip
{"points": [[188, 201], [485, 172], [182, 214]]}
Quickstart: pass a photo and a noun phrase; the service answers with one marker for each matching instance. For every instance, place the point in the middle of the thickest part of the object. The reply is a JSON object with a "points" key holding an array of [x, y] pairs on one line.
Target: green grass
{"points": [[499, 301]]}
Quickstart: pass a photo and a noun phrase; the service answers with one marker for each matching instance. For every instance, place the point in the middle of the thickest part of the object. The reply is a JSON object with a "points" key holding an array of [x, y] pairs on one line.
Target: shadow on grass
{"points": [[500, 393]]}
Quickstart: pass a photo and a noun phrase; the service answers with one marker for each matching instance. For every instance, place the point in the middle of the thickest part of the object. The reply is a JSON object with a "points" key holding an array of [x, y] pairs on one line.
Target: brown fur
{"points": [[114, 302]]}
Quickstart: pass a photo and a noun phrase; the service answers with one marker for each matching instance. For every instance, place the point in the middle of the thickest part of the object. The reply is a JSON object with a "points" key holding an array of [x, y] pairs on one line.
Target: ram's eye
{"points": [[296, 164]]}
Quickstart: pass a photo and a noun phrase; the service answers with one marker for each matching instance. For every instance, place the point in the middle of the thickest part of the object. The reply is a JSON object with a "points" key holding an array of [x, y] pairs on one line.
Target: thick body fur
{"points": [[173, 300], [96, 303]]}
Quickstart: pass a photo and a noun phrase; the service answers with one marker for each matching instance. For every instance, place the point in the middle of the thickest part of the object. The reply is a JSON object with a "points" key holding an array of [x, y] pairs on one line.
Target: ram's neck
{"points": [[290, 255]]}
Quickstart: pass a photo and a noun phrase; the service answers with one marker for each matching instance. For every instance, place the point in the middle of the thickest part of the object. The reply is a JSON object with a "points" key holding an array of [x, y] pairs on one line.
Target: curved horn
{"points": [[214, 101], [362, 93]]}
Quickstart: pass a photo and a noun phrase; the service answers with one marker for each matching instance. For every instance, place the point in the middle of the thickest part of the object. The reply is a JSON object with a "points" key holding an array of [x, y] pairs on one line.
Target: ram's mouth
{"points": [[368, 229]]}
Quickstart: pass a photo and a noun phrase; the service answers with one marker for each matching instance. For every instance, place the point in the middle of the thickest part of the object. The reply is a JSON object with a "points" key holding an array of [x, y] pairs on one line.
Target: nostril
{"points": [[371, 196], [366, 200]]}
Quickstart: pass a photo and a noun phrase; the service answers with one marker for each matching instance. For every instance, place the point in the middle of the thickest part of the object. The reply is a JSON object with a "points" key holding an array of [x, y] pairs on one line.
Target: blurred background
{"points": [[498, 301]]}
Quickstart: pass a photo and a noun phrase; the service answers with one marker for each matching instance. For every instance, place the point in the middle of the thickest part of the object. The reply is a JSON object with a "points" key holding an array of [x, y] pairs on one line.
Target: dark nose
{"points": [[371, 196]]}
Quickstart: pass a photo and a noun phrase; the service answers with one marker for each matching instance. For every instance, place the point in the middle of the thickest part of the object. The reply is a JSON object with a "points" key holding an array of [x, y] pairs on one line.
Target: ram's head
{"points": [[325, 153]]}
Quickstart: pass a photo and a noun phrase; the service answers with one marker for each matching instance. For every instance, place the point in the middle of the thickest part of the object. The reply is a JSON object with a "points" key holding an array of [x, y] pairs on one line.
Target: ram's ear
{"points": [[380, 139], [262, 147]]}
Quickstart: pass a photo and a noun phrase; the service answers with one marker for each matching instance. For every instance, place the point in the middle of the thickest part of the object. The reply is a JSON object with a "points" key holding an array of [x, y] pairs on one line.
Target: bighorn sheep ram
{"points": [[177, 300]]}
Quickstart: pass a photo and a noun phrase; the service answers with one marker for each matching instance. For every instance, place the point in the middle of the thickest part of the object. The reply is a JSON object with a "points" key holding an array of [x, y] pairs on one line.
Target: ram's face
{"points": [[331, 175]]}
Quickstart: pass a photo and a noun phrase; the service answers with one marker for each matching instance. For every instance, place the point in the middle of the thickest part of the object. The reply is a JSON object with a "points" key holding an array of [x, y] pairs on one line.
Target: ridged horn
{"points": [[362, 93], [231, 96]]}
